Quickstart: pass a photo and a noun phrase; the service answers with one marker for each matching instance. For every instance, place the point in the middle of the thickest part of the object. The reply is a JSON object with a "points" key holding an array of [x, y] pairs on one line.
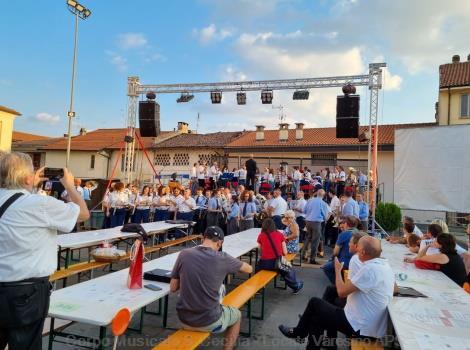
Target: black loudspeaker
{"points": [[149, 118], [347, 116]]}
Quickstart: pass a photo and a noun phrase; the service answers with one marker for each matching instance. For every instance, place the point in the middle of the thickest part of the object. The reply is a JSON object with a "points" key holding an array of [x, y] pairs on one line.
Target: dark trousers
{"points": [[23, 308], [200, 219], [301, 222], [201, 183], [185, 216], [320, 316], [250, 180], [161, 215], [331, 295], [140, 216], [289, 277], [117, 217]]}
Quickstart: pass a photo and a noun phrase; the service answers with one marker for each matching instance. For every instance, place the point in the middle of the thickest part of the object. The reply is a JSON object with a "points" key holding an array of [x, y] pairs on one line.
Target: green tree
{"points": [[388, 215]]}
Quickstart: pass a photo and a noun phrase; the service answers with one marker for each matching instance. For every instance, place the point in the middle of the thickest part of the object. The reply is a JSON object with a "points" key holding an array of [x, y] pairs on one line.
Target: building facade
{"points": [[7, 119], [454, 92]]}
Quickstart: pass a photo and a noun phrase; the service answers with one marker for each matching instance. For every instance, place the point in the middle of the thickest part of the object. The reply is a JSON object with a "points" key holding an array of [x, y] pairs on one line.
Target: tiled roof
{"points": [[213, 140], [93, 141], [9, 110], [317, 137], [454, 74], [19, 136]]}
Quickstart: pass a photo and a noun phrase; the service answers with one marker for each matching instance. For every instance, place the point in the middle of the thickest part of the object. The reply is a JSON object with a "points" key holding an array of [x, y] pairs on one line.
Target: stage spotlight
{"points": [[241, 98], [184, 98], [216, 96], [266, 97], [301, 95]]}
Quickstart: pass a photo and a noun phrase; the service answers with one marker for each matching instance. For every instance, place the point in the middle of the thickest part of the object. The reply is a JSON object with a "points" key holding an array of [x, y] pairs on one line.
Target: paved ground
{"points": [[281, 307]]}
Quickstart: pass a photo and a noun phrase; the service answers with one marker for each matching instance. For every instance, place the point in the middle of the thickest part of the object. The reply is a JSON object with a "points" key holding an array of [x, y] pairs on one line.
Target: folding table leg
{"points": [[165, 312], [51, 334], [102, 338]]}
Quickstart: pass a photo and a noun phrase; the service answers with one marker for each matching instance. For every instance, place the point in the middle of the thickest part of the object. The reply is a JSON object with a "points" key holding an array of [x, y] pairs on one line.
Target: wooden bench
{"points": [[241, 295], [365, 344], [89, 266]]}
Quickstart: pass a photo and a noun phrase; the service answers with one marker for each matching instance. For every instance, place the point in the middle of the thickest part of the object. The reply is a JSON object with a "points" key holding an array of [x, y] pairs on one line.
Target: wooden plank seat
{"points": [[241, 295], [365, 344]]}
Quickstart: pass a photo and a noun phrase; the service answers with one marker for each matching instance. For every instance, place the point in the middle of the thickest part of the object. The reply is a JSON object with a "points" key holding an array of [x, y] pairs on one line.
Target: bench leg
{"points": [[102, 337], [155, 313], [249, 316], [51, 334], [165, 311], [261, 316]]}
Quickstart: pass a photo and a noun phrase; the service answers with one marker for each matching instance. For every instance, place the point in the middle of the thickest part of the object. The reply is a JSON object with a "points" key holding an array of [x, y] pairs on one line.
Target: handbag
{"points": [[134, 279], [281, 263]]}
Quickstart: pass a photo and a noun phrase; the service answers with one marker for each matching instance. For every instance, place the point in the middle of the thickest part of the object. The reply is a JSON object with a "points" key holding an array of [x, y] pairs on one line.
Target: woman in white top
{"points": [[242, 175], [173, 202], [117, 202], [185, 206], [340, 180], [142, 206], [160, 202]]}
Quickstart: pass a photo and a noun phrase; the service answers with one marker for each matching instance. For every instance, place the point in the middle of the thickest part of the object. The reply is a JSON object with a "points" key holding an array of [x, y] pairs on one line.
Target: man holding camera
{"points": [[28, 247]]}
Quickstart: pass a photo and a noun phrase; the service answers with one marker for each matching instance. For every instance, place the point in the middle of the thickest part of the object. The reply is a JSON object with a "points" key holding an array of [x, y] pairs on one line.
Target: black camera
{"points": [[53, 173]]}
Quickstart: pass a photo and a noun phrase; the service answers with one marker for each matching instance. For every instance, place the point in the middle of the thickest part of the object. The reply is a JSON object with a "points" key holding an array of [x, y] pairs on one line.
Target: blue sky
{"points": [[217, 40]]}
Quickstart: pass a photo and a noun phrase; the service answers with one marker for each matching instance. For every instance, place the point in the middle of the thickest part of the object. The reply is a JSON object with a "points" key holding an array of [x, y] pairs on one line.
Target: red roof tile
{"points": [[454, 74], [214, 140], [101, 139], [317, 137], [19, 136]]}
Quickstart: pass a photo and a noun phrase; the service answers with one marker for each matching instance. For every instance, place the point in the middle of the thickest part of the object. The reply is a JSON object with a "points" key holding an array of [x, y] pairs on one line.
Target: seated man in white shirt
{"points": [[368, 292]]}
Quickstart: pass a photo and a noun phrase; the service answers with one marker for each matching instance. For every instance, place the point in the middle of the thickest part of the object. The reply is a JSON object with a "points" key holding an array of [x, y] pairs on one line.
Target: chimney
{"points": [[259, 132], [283, 132], [299, 131], [455, 59], [183, 127], [83, 131]]}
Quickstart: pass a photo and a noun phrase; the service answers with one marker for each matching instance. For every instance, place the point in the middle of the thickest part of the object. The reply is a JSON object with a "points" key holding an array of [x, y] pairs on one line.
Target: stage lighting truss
{"points": [[266, 97], [185, 97], [241, 98], [216, 96], [301, 95]]}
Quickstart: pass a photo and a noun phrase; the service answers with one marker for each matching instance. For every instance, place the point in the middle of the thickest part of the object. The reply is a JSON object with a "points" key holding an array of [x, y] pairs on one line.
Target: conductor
{"points": [[250, 165]]}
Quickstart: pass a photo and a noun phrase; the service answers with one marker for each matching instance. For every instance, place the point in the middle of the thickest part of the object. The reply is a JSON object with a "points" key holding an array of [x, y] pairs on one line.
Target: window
{"points": [[162, 159], [181, 159], [208, 158], [92, 161], [465, 106], [324, 159]]}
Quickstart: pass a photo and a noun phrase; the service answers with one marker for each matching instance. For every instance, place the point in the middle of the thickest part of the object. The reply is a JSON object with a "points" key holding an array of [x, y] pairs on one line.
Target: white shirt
{"points": [[242, 174], [185, 206], [79, 190], [279, 205], [193, 172], [366, 309], [296, 175], [28, 239], [431, 250], [201, 173], [335, 204], [144, 202], [342, 176], [118, 199], [175, 200], [213, 171], [299, 204], [354, 266], [417, 232]]}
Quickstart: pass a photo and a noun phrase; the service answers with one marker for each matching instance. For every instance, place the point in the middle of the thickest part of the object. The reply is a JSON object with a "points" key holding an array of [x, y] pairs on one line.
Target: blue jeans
{"points": [[117, 217], [329, 270], [140, 216], [185, 216]]}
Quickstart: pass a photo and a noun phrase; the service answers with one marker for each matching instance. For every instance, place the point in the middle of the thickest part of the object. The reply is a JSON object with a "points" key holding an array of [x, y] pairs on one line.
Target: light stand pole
{"points": [[80, 12]]}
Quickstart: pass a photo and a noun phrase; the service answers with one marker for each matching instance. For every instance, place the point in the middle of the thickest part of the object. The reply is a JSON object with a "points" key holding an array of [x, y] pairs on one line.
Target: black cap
{"points": [[214, 232]]}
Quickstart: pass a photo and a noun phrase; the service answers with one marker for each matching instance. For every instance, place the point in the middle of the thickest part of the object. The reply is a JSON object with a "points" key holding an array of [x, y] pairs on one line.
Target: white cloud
{"points": [[390, 81], [46, 118], [231, 73], [117, 60], [156, 57], [211, 34], [127, 41]]}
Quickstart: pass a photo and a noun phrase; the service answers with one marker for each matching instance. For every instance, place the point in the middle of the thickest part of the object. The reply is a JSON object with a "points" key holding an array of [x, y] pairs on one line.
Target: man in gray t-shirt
{"points": [[198, 274]]}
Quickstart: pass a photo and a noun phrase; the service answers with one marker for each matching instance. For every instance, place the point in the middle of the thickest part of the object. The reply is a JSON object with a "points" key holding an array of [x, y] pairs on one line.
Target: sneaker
{"points": [[289, 333], [300, 285], [314, 262]]}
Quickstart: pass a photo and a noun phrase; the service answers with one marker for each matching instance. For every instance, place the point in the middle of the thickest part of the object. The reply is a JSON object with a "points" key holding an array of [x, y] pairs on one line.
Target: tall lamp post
{"points": [[79, 11]]}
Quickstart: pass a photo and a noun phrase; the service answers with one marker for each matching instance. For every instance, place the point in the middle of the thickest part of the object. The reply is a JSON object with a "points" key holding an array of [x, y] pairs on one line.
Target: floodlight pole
{"points": [[129, 154], [71, 113]]}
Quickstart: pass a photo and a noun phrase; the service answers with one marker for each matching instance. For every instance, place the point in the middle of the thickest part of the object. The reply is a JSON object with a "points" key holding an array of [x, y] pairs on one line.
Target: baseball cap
{"points": [[214, 232]]}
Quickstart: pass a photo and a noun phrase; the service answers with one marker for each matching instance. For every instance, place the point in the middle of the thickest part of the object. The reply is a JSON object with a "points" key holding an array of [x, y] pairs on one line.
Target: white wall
{"points": [[79, 163]]}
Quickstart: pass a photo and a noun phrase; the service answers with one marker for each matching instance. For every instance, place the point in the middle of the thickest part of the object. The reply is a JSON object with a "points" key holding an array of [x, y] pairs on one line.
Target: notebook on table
{"points": [[158, 275]]}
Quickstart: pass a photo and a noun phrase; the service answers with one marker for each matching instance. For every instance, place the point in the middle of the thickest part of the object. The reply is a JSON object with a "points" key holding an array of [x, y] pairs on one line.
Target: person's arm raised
{"points": [[68, 182]]}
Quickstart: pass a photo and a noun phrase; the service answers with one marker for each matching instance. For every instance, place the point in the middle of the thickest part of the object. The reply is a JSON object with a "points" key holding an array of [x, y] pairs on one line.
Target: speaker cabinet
{"points": [[347, 116], [149, 118]]}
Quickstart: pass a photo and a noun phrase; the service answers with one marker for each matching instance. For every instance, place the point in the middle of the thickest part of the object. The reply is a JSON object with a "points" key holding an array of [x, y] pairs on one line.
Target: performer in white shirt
{"points": [[28, 247], [118, 202], [186, 206], [142, 207], [213, 174], [201, 174]]}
